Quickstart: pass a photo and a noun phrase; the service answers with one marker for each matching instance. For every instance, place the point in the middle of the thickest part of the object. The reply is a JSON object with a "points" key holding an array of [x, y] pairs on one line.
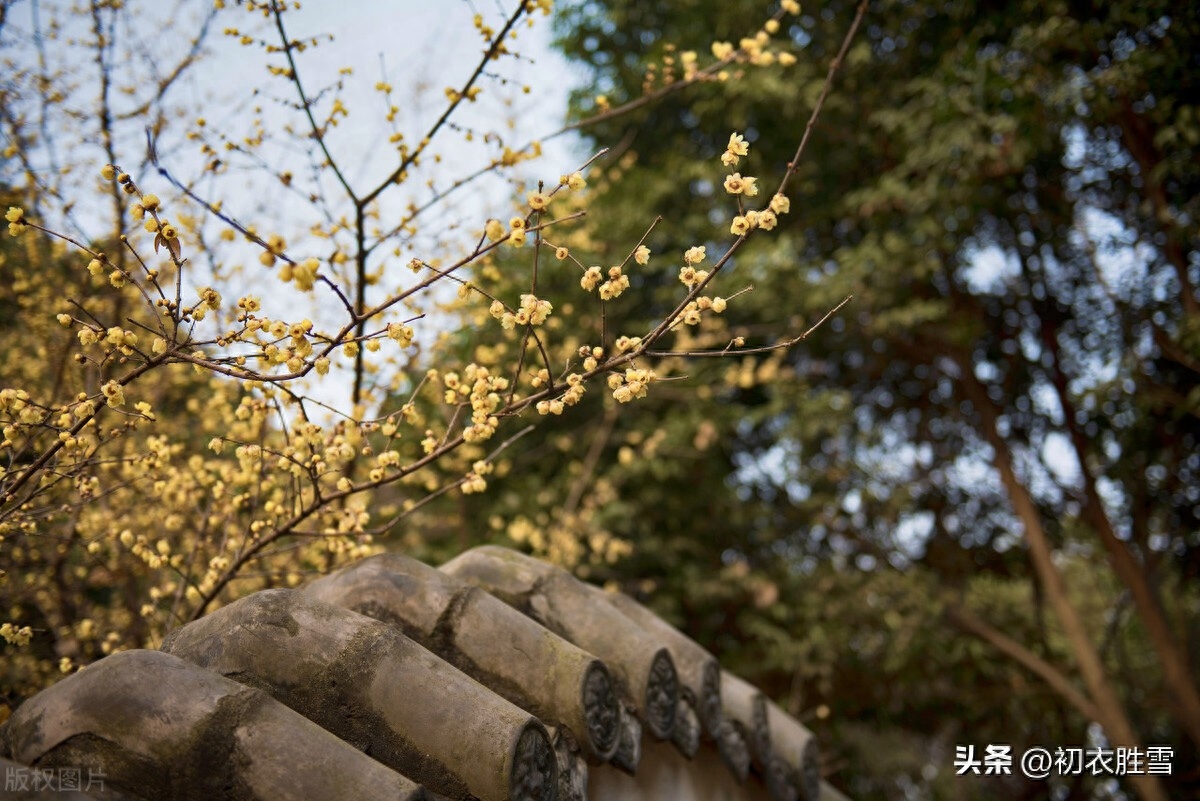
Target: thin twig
{"points": [[728, 351]]}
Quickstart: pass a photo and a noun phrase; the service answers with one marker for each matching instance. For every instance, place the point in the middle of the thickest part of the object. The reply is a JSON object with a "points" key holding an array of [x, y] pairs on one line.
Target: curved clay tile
{"points": [[158, 727], [374, 687], [488, 640], [747, 707], [699, 671], [560, 602], [796, 747], [497, 677]]}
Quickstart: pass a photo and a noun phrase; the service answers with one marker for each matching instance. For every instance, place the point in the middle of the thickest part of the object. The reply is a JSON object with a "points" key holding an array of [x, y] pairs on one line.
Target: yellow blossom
{"points": [[400, 333], [591, 278], [735, 184], [722, 50], [737, 145], [114, 394], [305, 274], [211, 297], [16, 636], [16, 220]]}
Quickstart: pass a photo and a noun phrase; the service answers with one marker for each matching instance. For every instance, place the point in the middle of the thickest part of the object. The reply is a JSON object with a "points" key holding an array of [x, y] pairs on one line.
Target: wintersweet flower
{"points": [[735, 184]]}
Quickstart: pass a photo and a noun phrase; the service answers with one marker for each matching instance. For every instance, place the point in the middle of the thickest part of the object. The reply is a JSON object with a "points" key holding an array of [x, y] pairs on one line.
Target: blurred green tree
{"points": [[1005, 420]]}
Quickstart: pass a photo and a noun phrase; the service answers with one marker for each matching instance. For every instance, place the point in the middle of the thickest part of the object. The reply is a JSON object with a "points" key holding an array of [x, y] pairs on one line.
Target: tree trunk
{"points": [[1176, 672], [1111, 715]]}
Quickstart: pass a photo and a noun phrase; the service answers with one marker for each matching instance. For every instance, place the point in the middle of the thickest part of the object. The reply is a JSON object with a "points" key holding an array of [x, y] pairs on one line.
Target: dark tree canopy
{"points": [[1009, 190]]}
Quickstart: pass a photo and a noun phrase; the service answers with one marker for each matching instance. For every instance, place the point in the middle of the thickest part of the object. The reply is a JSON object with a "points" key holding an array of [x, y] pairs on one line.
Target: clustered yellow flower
{"points": [[735, 184], [481, 390], [753, 50], [121, 339], [114, 394], [16, 218], [275, 247], [16, 636], [592, 277], [539, 201], [747, 186], [692, 313], [400, 333], [532, 311], [574, 181], [474, 481], [626, 344], [632, 384], [736, 148], [690, 65], [575, 384], [516, 234], [574, 393], [690, 277], [210, 297], [304, 274], [617, 283], [722, 50]]}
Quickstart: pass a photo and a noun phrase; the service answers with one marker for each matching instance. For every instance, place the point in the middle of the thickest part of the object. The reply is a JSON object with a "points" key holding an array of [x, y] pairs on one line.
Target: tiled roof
{"points": [[494, 677]]}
